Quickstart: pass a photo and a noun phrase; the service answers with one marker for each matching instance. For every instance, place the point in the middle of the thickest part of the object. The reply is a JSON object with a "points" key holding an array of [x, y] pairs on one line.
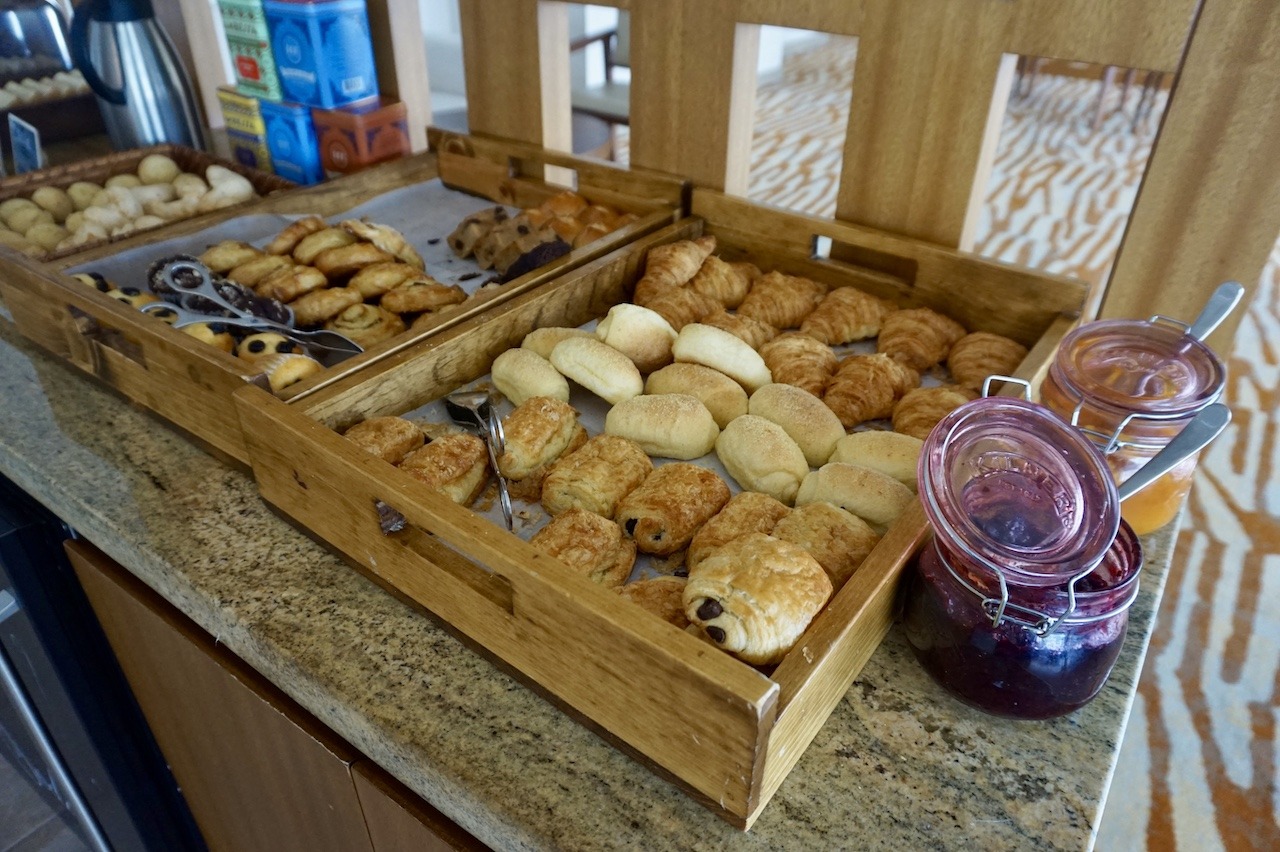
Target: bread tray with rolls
{"points": [[604, 660], [189, 383]]}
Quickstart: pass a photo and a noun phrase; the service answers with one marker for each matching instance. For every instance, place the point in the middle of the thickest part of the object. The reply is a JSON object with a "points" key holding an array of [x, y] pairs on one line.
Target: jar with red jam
{"points": [[1131, 386], [1019, 604]]}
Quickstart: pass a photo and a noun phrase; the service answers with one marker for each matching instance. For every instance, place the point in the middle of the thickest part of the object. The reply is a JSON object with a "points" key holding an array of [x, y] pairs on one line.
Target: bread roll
{"points": [[599, 368], [875, 497], [125, 181], [891, 453], [722, 396], [640, 334], [55, 201], [761, 456], [81, 193], [718, 349], [810, 423], [11, 207], [543, 340], [520, 374], [669, 425], [157, 168], [46, 234], [26, 218]]}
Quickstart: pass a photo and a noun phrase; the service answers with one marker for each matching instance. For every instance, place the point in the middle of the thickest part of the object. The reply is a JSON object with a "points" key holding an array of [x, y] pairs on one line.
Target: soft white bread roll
{"points": [[157, 169], [760, 456], [722, 396], [25, 218], [599, 368], [875, 497], [190, 184], [520, 374], [82, 193], [11, 206], [46, 235], [126, 181], [56, 201], [543, 340], [669, 425], [891, 453], [640, 334], [718, 349], [807, 419]]}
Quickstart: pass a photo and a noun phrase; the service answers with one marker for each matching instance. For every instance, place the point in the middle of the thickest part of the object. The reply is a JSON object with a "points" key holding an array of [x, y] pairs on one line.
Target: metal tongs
{"points": [[191, 280], [474, 409]]}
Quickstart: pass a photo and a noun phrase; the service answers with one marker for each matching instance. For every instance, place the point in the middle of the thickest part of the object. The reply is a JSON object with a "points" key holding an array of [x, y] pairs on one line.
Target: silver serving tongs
{"points": [[474, 409], [1193, 438], [188, 278]]}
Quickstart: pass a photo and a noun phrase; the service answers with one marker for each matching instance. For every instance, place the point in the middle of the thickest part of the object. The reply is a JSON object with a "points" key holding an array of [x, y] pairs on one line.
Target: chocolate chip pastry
{"points": [[666, 510]]}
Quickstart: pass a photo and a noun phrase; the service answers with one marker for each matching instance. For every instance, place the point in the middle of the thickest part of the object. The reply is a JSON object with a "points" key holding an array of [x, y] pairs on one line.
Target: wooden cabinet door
{"points": [[258, 772], [400, 821]]}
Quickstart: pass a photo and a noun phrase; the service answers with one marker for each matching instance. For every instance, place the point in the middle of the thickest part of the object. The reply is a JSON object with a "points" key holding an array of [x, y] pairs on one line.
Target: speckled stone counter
{"points": [[898, 765]]}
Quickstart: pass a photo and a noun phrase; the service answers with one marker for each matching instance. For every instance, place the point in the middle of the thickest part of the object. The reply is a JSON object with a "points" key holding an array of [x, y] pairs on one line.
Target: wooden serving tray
{"points": [[190, 384], [723, 730]]}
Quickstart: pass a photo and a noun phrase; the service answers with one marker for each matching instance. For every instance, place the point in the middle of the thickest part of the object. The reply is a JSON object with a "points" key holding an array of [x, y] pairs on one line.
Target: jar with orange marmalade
{"points": [[1131, 386]]}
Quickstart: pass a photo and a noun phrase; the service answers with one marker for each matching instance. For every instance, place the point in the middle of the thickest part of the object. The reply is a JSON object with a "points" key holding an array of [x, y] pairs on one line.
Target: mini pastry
{"points": [[94, 280], [214, 334], [168, 316], [866, 387], [379, 278], [310, 246], [873, 496], [976, 356], [722, 396], [503, 234], [800, 360], [422, 294], [599, 368], [320, 305], [918, 337], [473, 228], [598, 214], [755, 596], [782, 301], [386, 238], [810, 423], [679, 305], [566, 203], [537, 432], [748, 512], [724, 282], [596, 476], [920, 410], [640, 334], [264, 344], [367, 325], [543, 340], [566, 228], [750, 331], [287, 240], [720, 350], [846, 314], [891, 453], [761, 456], [388, 438], [456, 465], [591, 232], [672, 265], [252, 272], [228, 254], [589, 544], [133, 297], [343, 261], [290, 282], [662, 596], [666, 510], [840, 541], [520, 374], [671, 425], [288, 369]]}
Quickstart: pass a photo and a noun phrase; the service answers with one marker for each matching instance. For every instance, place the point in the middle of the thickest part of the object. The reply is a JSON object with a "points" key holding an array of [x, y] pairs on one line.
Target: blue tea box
{"points": [[291, 138], [323, 51]]}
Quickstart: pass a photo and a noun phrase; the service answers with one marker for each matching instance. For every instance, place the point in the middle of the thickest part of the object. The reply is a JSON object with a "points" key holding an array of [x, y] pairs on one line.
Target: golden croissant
{"points": [[752, 331], [680, 305], [866, 387], [797, 359], [846, 314], [674, 264], [981, 354], [918, 337], [725, 282], [783, 301], [920, 410]]}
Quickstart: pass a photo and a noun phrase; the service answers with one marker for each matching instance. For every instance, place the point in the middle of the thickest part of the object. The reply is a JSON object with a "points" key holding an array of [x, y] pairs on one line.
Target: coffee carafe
{"points": [[130, 64]]}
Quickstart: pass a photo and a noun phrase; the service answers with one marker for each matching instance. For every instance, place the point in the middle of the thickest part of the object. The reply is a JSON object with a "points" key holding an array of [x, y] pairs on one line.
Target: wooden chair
{"points": [[610, 101]]}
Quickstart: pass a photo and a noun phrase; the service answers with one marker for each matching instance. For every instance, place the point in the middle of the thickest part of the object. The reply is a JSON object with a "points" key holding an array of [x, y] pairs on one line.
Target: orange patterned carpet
{"points": [[1198, 765]]}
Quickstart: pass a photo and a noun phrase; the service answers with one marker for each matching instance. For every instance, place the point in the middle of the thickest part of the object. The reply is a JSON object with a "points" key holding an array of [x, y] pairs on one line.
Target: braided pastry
{"points": [[920, 410], [918, 337], [846, 314], [783, 301], [866, 387], [797, 359], [981, 354]]}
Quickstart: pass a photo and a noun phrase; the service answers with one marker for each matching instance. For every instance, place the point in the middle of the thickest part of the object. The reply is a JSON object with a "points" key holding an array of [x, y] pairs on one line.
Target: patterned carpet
{"points": [[1198, 766]]}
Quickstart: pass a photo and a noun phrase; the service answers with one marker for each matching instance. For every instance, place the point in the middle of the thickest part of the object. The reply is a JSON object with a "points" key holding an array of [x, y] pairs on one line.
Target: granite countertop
{"points": [[899, 764]]}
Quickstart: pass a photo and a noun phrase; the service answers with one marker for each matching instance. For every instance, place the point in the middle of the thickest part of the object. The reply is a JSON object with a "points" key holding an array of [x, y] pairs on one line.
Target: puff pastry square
{"points": [[590, 544]]}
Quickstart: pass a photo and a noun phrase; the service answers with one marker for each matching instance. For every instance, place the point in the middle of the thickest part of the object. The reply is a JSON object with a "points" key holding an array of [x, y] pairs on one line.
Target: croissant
{"points": [[673, 264], [846, 314], [920, 410], [981, 354], [721, 281], [866, 387], [783, 301], [918, 337], [752, 331], [797, 359], [680, 306]]}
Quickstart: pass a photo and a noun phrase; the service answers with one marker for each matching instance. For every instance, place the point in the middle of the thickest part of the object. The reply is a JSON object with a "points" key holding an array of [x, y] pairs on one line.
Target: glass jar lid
{"points": [[1148, 367], [1019, 490]]}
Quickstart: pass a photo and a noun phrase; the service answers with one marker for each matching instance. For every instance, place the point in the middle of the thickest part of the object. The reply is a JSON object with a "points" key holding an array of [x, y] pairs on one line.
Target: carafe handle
{"points": [[80, 55]]}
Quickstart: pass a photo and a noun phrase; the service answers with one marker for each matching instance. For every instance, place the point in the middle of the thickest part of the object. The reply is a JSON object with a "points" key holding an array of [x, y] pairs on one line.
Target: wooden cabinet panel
{"points": [[400, 821], [257, 771]]}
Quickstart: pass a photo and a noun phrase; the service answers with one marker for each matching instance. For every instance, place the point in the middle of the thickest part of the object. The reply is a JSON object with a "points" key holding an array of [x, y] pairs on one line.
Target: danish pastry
{"points": [[918, 337], [251, 272], [669, 425], [866, 387], [422, 294], [761, 456], [755, 596], [320, 305], [873, 496], [288, 369], [672, 265], [264, 344], [751, 331], [920, 410], [227, 255], [596, 476], [589, 544], [287, 240], [722, 281], [367, 325], [976, 356], [782, 301], [599, 368], [388, 438], [722, 396], [891, 453], [846, 314], [376, 279], [342, 261], [840, 541], [720, 350], [747, 512], [214, 334], [664, 512], [520, 374], [289, 282], [386, 238], [310, 246], [537, 432], [800, 360], [456, 465], [810, 423], [662, 596], [640, 334]]}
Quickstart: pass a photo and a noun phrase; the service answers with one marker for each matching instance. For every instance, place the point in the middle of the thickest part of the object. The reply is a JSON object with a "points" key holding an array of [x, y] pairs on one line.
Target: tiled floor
{"points": [[27, 823]]}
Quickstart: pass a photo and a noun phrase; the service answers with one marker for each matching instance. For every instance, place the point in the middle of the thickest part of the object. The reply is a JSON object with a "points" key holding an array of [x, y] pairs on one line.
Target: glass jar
{"points": [[1132, 385], [1019, 605]]}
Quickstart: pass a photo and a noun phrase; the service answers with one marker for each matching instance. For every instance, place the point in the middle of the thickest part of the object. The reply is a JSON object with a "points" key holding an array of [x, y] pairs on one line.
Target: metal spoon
{"points": [[474, 409], [1194, 437]]}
